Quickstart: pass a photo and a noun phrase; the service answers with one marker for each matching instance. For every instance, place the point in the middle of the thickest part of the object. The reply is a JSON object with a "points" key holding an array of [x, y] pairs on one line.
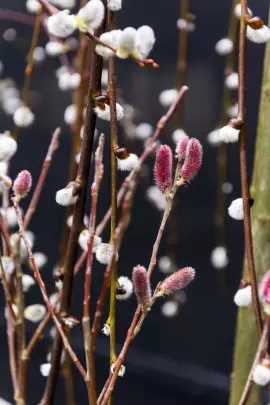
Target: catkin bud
{"points": [[193, 160], [182, 148], [163, 168], [141, 285], [22, 184], [264, 292], [177, 281]]}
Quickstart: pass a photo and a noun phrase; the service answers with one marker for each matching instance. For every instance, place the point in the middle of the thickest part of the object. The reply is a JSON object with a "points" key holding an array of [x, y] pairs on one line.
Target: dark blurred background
{"points": [[185, 359]]}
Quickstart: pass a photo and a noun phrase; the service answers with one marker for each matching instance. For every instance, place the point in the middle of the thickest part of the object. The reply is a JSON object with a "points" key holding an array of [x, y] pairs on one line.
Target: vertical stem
{"points": [[30, 64], [83, 60], [67, 371], [246, 339], [112, 95], [11, 319], [181, 65], [243, 168], [11, 349], [182, 47], [80, 102], [20, 326], [82, 178], [261, 352], [222, 149], [43, 174], [89, 354]]}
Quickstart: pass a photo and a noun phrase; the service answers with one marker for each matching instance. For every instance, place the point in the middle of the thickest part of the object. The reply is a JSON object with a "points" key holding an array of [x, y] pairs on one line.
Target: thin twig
{"points": [[7, 294], [148, 150], [119, 232], [11, 349], [16, 16], [136, 319], [261, 351], [243, 166], [30, 64], [138, 61], [88, 273], [42, 177], [222, 149], [44, 292], [5, 235], [114, 142], [20, 324], [78, 213]]}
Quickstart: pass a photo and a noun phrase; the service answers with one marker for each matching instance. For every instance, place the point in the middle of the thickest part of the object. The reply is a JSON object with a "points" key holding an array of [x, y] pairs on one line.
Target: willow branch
{"points": [[114, 142], [45, 294], [7, 294], [222, 149], [139, 313], [78, 213], [11, 349], [261, 351], [147, 151], [243, 167], [90, 363], [138, 61], [5, 236], [16, 16], [42, 177], [30, 64], [119, 233]]}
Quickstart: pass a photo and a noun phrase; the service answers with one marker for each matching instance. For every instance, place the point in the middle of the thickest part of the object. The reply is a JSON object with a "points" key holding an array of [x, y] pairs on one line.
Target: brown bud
{"points": [[121, 153], [243, 284], [251, 201], [235, 123], [190, 17], [101, 98], [76, 187], [255, 23], [70, 321]]}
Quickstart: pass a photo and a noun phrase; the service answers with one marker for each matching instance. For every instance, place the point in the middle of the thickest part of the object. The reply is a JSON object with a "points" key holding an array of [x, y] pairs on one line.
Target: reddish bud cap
{"points": [[178, 280], [141, 285], [22, 184], [193, 160], [163, 168]]}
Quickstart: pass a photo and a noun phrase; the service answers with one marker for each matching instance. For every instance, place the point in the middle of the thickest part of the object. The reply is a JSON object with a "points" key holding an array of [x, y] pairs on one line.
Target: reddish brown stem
{"points": [[11, 349], [16, 16], [5, 235], [45, 294], [78, 213], [261, 351], [42, 177], [87, 284], [149, 148], [243, 168], [119, 232], [121, 356]]}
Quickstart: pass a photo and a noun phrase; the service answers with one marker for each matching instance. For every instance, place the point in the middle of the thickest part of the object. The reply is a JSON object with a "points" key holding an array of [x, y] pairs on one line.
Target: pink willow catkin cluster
{"points": [[189, 155], [22, 184], [141, 283]]}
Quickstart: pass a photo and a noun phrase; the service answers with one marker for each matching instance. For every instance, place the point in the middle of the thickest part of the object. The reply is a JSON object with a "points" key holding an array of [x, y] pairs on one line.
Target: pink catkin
{"points": [[22, 183], [264, 288], [163, 168], [178, 280], [193, 160], [182, 148], [141, 285]]}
